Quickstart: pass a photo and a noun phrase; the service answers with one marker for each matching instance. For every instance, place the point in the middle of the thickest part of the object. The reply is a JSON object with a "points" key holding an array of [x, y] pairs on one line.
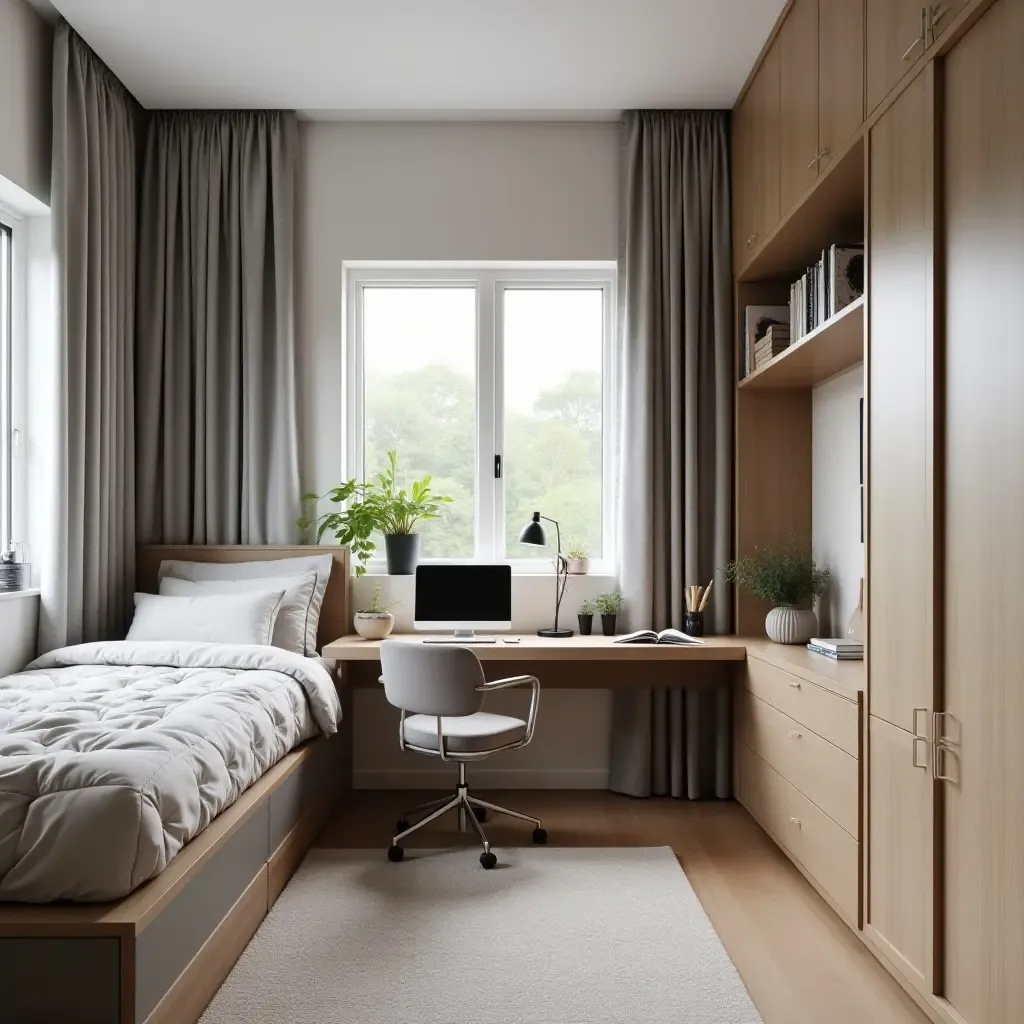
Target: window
{"points": [[497, 382], [6, 385]]}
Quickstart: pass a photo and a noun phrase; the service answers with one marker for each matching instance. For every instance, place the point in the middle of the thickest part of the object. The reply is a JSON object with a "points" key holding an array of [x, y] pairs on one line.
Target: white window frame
{"points": [[491, 281], [13, 517]]}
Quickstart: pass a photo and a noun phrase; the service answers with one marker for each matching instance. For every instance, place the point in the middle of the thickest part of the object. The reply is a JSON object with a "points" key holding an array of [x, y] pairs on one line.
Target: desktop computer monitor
{"points": [[463, 598]]}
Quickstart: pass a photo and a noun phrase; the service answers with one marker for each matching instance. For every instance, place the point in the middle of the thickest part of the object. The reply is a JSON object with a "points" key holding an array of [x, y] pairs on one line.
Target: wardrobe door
{"points": [[798, 39], [901, 499], [763, 158], [742, 183], [984, 685], [895, 39]]}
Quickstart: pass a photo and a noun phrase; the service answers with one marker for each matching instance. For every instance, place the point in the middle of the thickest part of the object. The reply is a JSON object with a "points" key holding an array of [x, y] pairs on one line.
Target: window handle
{"points": [[497, 467]]}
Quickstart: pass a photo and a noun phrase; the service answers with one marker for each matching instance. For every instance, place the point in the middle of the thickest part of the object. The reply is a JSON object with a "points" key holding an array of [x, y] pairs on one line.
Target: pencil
{"points": [[707, 594]]}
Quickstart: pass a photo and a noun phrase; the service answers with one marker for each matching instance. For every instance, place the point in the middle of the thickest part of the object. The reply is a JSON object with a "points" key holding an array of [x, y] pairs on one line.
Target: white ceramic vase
{"points": [[373, 625], [789, 625], [578, 566]]}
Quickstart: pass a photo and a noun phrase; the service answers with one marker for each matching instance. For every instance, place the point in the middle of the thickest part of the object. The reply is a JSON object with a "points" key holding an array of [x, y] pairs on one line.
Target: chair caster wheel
{"points": [[480, 813], [488, 861], [401, 825], [395, 854], [540, 836]]}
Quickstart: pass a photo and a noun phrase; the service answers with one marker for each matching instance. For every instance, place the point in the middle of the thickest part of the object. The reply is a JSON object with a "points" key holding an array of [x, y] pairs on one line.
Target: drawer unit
{"points": [[825, 774], [826, 852], [826, 713]]}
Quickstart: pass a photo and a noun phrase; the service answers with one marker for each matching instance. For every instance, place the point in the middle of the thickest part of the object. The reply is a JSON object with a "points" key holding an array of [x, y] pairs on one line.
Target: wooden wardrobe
{"points": [[944, 903]]}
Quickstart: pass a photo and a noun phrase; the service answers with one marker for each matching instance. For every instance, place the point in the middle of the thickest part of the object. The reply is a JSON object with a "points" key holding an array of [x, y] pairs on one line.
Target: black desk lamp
{"points": [[533, 533]]}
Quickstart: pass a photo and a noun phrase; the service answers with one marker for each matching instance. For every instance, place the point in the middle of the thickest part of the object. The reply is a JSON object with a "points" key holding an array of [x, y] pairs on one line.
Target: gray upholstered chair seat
{"points": [[466, 734]]}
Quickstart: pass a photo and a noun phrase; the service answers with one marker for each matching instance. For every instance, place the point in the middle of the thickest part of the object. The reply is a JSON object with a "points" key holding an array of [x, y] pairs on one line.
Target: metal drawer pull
{"points": [[939, 764], [919, 738], [814, 162], [920, 40], [940, 720], [795, 683], [794, 735], [797, 822]]}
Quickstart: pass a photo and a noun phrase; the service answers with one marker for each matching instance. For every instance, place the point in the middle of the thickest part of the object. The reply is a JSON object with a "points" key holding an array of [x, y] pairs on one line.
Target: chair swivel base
{"points": [[471, 809]]}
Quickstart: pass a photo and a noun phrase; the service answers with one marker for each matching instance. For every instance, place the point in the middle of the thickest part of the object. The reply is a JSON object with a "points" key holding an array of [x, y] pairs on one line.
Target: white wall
{"points": [[440, 191], [26, 56], [836, 521]]}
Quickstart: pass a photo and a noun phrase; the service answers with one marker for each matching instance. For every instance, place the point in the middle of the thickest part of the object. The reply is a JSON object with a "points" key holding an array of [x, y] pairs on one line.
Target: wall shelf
{"points": [[829, 349]]}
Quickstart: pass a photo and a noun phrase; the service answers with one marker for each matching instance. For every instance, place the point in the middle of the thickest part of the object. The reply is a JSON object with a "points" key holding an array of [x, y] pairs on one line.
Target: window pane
{"points": [[5, 387], [419, 353], [553, 411]]}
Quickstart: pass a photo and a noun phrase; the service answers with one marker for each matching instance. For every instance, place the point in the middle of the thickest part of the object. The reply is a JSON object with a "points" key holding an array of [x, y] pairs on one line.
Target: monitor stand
{"points": [[460, 636]]}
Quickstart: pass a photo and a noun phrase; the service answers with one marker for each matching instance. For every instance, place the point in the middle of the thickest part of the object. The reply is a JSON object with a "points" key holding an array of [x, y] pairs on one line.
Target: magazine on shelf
{"points": [[666, 636]]}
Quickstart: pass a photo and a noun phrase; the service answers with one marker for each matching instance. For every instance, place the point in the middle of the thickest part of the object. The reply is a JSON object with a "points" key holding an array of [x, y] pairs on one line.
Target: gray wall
{"points": [[449, 191], [26, 54]]}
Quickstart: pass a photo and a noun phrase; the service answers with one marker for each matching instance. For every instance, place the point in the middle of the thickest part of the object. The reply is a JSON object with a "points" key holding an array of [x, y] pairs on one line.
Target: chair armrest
{"points": [[505, 684]]}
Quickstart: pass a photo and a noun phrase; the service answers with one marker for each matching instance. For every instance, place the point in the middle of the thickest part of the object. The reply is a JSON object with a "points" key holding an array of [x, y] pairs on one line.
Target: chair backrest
{"points": [[431, 679]]}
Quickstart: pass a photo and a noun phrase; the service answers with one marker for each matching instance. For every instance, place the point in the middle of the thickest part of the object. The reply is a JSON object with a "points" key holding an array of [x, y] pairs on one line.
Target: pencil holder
{"points": [[694, 624]]}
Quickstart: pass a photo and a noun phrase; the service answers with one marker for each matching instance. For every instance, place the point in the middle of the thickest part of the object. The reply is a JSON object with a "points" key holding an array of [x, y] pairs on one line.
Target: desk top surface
{"points": [[576, 648]]}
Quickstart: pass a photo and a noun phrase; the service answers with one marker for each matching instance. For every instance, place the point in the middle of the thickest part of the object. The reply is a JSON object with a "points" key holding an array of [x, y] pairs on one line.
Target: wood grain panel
{"points": [[901, 584], [742, 182], [900, 852], [984, 267], [891, 29], [798, 90], [832, 717], [765, 152], [822, 772], [840, 75]]}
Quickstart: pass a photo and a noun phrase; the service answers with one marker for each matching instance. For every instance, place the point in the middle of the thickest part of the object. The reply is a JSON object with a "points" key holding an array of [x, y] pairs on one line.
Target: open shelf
{"points": [[829, 349]]}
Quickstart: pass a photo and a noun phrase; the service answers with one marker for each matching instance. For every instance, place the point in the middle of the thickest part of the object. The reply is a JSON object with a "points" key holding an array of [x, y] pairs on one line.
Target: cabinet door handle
{"points": [[797, 822], [814, 161], [794, 735], [939, 763], [795, 683], [920, 40], [919, 738], [938, 12]]}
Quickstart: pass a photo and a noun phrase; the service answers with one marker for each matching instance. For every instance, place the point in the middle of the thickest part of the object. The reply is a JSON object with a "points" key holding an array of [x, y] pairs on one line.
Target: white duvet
{"points": [[114, 755]]}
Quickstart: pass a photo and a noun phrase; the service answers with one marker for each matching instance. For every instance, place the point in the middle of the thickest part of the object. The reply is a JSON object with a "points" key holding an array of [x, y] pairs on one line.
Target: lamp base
{"points": [[556, 634]]}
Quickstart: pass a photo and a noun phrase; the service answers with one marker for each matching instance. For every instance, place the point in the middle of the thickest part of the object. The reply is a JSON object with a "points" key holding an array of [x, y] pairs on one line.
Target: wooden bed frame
{"points": [[159, 955]]}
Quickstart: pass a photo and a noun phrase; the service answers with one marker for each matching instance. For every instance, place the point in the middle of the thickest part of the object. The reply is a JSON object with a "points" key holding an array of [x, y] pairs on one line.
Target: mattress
{"points": [[114, 755]]}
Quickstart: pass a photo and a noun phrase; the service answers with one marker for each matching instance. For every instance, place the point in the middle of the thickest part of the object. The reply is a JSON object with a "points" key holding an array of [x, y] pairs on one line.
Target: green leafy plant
{"points": [[610, 603], [376, 606], [786, 577], [587, 608], [577, 550], [377, 505]]}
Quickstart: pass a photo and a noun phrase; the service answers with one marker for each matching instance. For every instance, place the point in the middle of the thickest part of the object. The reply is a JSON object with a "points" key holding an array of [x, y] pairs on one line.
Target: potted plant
{"points": [[375, 622], [609, 605], [789, 581], [578, 558], [379, 505], [586, 617]]}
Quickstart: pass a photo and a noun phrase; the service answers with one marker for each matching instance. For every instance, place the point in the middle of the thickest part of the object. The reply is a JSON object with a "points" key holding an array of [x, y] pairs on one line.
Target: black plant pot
{"points": [[586, 624], [403, 551], [608, 625]]}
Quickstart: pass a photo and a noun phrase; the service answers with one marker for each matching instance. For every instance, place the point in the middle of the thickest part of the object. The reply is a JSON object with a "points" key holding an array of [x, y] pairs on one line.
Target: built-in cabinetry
{"points": [[932, 169]]}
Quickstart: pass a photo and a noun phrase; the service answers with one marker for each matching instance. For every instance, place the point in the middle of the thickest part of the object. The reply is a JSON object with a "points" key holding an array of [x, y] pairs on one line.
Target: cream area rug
{"points": [[553, 935]]}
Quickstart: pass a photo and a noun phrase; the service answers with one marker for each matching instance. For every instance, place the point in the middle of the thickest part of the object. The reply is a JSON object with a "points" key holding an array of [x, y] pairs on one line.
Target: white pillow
{"points": [[220, 619], [272, 569], [290, 628]]}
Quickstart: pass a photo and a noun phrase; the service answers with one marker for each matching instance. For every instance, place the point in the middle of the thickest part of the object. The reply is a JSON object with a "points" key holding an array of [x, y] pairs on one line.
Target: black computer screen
{"points": [[463, 593]]}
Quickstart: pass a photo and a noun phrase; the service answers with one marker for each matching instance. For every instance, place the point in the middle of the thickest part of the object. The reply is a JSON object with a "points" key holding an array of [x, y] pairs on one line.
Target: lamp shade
{"points": [[533, 533]]}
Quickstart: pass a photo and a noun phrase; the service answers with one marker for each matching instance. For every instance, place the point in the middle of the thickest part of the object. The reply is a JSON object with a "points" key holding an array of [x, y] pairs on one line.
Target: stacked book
{"points": [[839, 649], [827, 286], [775, 340]]}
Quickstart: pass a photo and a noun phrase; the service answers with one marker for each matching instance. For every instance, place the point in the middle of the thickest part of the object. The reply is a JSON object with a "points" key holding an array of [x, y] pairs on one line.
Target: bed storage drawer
{"points": [[833, 717], [826, 852], [824, 773]]}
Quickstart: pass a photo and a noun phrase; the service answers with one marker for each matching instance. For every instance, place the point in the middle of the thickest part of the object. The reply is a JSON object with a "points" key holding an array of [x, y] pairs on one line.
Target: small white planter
{"points": [[373, 625], [578, 566], [789, 625]]}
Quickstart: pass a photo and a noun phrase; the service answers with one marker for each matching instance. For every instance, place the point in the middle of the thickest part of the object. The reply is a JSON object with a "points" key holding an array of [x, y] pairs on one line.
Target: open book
{"points": [[648, 636]]}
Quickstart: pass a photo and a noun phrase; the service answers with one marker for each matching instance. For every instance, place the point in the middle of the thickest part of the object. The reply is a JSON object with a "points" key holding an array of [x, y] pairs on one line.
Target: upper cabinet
{"points": [[898, 32], [798, 47], [840, 76]]}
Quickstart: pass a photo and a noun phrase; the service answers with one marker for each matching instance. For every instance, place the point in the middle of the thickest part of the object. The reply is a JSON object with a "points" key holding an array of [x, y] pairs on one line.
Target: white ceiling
{"points": [[428, 58]]}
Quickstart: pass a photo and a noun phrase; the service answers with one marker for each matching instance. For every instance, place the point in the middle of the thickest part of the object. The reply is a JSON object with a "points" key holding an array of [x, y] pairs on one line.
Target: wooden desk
{"points": [[579, 662]]}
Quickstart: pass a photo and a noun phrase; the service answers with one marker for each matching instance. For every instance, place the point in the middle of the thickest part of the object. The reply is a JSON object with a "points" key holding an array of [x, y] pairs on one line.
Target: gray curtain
{"points": [[217, 447], [675, 503], [89, 509]]}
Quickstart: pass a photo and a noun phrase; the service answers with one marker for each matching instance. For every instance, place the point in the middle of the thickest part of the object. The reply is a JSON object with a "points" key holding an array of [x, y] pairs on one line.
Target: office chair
{"points": [[440, 691]]}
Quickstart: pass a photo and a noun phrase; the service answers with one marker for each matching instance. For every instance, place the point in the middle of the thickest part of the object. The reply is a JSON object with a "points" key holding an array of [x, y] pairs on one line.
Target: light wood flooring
{"points": [[800, 963]]}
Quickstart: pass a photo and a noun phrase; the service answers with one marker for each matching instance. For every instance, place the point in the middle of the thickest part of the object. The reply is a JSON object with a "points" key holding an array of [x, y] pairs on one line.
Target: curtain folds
{"points": [[89, 504], [217, 442], [675, 501]]}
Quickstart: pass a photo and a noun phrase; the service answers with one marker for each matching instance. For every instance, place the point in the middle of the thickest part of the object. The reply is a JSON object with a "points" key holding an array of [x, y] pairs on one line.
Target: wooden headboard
{"points": [[335, 620]]}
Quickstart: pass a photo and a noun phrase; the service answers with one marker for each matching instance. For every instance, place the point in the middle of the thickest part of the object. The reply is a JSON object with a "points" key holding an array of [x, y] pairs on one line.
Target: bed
{"points": [[218, 833]]}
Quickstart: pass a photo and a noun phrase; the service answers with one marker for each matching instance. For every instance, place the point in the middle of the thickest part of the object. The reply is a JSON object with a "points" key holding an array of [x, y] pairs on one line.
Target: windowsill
{"points": [[372, 575], [17, 595]]}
